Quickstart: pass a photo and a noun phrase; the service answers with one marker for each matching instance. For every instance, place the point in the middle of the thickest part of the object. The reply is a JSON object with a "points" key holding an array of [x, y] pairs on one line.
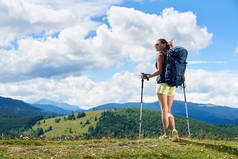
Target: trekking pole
{"points": [[186, 108], [141, 102]]}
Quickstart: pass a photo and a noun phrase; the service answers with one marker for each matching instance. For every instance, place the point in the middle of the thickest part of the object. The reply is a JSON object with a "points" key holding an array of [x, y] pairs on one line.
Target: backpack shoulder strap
{"points": [[163, 53]]}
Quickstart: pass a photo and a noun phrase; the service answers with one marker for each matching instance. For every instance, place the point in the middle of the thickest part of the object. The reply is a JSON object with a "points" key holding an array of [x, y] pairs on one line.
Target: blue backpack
{"points": [[175, 66]]}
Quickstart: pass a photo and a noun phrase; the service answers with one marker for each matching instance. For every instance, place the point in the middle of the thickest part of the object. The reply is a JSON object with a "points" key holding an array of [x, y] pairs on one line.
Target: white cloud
{"points": [[212, 87], [218, 88], [77, 90], [131, 34], [49, 67], [25, 17], [142, 29]]}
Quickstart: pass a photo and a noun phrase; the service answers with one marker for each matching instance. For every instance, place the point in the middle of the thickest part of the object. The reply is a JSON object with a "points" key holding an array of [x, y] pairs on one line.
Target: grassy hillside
{"points": [[67, 127], [124, 123], [119, 148]]}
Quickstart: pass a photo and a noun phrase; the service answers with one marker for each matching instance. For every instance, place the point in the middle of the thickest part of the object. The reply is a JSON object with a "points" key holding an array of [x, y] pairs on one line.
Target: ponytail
{"points": [[170, 43]]}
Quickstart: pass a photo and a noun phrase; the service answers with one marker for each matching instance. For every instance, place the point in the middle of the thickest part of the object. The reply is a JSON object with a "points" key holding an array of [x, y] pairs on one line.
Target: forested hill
{"points": [[15, 114], [12, 108], [208, 113], [123, 123]]}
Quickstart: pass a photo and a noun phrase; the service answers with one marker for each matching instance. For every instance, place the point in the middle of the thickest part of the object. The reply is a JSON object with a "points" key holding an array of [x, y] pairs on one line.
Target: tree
{"points": [[71, 116], [90, 129], [87, 122], [70, 130], [57, 120], [81, 114], [39, 131], [49, 129]]}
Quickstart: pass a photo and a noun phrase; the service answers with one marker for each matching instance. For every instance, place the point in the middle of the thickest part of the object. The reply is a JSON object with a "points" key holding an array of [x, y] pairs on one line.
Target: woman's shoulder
{"points": [[160, 55]]}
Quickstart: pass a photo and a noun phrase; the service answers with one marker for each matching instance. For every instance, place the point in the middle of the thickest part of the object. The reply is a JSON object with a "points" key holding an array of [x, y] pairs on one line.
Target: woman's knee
{"points": [[165, 111], [170, 115]]}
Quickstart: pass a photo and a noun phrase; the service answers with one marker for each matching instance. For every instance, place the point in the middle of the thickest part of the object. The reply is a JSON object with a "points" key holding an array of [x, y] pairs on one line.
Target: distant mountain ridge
{"points": [[208, 113], [202, 112], [52, 108], [64, 106]]}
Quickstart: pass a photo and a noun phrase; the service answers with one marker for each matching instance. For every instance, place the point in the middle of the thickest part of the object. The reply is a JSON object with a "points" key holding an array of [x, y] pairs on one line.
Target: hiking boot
{"points": [[175, 136], [164, 136]]}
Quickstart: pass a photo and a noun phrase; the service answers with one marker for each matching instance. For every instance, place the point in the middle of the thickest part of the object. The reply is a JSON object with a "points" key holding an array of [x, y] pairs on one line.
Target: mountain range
{"points": [[209, 113], [63, 106], [17, 113]]}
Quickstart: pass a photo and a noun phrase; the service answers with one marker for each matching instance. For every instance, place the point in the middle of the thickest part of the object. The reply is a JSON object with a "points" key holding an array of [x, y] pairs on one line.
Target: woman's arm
{"points": [[160, 62]]}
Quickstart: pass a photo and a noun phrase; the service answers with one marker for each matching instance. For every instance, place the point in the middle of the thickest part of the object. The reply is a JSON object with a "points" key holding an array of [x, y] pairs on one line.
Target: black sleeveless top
{"points": [[161, 77]]}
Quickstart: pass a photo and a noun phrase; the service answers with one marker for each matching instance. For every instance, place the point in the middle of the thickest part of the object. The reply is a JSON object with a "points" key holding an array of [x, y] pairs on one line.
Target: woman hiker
{"points": [[165, 93]]}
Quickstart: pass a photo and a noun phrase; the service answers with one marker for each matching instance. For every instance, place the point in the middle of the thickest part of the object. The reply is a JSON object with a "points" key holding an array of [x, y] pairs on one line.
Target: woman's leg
{"points": [[164, 112], [170, 116], [171, 119]]}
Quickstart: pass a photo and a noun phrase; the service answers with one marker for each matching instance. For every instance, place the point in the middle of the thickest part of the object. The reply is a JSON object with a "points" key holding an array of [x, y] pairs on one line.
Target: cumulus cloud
{"points": [[129, 35], [51, 52], [139, 28], [218, 88], [80, 91], [25, 17], [212, 87]]}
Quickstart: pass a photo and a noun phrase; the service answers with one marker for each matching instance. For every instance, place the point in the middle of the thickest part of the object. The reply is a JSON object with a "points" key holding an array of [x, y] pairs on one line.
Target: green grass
{"points": [[119, 148], [62, 128]]}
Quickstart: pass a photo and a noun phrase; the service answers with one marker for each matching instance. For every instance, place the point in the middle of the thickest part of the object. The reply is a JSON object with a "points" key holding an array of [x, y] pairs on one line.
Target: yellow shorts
{"points": [[164, 88]]}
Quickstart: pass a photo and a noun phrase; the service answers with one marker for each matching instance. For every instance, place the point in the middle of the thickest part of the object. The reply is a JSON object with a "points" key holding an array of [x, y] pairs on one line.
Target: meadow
{"points": [[186, 148]]}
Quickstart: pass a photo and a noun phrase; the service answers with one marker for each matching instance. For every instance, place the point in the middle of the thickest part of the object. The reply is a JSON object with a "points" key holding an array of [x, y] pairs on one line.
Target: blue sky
{"points": [[220, 18], [88, 53]]}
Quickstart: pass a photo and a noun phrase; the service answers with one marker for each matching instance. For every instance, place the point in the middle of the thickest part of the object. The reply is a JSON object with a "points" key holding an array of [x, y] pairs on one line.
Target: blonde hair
{"points": [[170, 43]]}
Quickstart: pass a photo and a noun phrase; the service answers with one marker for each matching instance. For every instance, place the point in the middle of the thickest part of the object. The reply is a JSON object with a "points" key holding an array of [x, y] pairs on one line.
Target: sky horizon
{"points": [[89, 53]]}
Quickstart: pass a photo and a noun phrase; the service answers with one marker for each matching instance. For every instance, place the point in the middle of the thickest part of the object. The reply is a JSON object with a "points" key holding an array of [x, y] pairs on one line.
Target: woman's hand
{"points": [[145, 76]]}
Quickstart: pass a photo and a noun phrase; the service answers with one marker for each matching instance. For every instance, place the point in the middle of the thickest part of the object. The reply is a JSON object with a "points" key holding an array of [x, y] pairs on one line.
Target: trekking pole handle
{"points": [[146, 76]]}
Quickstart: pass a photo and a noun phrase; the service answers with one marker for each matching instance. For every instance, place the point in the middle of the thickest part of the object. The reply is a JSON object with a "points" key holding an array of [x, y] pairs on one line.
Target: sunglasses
{"points": [[157, 44]]}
